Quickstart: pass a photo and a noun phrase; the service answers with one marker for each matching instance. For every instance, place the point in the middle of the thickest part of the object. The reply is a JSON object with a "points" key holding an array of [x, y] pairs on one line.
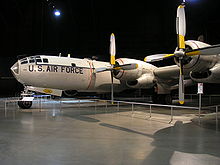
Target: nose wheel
{"points": [[25, 104]]}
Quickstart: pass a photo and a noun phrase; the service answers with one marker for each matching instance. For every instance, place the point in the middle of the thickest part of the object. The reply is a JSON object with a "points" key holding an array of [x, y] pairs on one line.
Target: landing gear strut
{"points": [[162, 99]]}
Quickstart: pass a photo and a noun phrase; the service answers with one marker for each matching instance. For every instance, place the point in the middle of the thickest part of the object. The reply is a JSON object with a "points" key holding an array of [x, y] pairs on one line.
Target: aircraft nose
{"points": [[15, 69]]}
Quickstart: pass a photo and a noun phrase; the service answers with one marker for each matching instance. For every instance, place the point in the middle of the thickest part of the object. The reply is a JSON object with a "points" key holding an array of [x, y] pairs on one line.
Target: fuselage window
{"points": [[45, 60], [73, 65]]}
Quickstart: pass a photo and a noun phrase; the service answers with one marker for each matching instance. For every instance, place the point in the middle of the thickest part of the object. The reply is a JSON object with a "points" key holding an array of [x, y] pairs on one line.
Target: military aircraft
{"points": [[54, 74], [195, 60]]}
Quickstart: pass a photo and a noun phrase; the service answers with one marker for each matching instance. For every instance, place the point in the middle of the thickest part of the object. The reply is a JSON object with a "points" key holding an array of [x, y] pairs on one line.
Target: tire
{"points": [[168, 99], [25, 104]]}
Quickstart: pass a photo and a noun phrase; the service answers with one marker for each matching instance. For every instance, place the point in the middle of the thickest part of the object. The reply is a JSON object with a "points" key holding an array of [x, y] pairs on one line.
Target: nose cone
{"points": [[15, 70]]}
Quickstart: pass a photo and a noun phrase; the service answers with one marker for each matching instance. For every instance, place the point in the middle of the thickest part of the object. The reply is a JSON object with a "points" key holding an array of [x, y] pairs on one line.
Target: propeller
{"points": [[181, 52], [206, 51], [181, 32], [112, 51], [114, 66]]}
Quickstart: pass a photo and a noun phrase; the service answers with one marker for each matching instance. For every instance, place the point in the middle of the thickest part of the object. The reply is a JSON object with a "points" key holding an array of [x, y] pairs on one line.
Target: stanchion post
{"points": [[106, 105], [216, 111], [95, 106], [171, 114], [5, 109], [132, 109], [40, 103], [79, 103], [60, 105], [200, 104], [200, 92]]}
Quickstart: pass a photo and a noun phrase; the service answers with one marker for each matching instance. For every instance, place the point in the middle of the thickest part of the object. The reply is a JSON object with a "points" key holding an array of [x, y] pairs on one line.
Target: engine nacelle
{"points": [[145, 81], [208, 76], [197, 63], [134, 74]]}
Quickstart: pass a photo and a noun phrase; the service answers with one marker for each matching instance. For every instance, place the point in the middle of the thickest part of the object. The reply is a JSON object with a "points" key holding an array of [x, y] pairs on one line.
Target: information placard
{"points": [[200, 88]]}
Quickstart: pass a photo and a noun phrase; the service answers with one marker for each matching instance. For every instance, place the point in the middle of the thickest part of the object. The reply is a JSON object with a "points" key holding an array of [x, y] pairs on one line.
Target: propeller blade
{"points": [[102, 69], [112, 62], [126, 66], [157, 57], [210, 50], [118, 67], [112, 49], [181, 83], [112, 88], [181, 26]]}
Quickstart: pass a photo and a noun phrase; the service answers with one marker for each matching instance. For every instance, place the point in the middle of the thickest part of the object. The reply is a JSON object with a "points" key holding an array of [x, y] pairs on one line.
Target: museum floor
{"points": [[52, 133]]}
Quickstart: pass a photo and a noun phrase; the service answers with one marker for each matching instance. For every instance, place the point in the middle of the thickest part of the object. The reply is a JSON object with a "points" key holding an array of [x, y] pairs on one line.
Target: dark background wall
{"points": [[84, 28]]}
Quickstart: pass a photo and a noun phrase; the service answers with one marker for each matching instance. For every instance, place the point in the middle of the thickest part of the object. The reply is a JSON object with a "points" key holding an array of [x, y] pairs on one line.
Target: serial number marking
{"points": [[55, 68]]}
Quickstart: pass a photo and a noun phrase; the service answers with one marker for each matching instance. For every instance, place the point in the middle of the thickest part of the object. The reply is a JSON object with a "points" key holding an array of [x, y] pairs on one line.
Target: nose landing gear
{"points": [[26, 100], [25, 104]]}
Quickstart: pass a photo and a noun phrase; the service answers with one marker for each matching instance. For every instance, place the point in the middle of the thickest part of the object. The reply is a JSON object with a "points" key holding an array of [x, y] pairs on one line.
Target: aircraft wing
{"points": [[169, 75]]}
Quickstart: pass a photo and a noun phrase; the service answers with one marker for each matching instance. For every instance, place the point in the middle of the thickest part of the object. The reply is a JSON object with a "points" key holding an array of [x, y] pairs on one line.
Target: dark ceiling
{"points": [[84, 27]]}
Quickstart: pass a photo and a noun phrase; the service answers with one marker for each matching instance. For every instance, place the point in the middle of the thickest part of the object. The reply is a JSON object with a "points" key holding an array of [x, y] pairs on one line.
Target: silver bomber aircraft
{"points": [[195, 62]]}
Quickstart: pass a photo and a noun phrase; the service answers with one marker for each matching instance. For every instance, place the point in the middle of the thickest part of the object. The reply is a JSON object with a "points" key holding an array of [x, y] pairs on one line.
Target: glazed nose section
{"points": [[15, 69]]}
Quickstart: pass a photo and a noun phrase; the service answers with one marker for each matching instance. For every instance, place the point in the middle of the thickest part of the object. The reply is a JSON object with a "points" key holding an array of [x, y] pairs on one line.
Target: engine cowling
{"points": [[197, 63], [145, 81], [142, 76], [208, 76]]}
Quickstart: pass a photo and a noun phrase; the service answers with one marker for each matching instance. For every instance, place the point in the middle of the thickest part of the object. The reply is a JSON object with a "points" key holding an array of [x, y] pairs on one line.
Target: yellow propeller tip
{"points": [[145, 59], [112, 60], [181, 6], [181, 102]]}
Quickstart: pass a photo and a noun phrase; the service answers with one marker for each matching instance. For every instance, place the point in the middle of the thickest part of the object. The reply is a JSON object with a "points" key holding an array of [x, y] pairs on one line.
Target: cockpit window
{"points": [[73, 65], [38, 60], [32, 61], [24, 62], [45, 60], [23, 59]]}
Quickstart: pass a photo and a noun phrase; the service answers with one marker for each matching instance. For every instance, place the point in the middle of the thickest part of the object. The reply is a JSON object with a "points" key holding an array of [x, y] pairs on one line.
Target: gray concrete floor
{"points": [[71, 134]]}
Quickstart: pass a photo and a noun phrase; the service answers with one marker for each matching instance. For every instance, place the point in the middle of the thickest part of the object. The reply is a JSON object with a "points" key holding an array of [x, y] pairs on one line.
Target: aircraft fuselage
{"points": [[64, 73]]}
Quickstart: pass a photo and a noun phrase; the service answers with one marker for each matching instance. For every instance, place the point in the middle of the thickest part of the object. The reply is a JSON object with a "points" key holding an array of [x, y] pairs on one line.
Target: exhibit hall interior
{"points": [[97, 82]]}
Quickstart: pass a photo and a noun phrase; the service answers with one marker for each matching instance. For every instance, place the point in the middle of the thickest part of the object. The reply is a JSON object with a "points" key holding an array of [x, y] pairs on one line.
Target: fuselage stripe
{"points": [[90, 81]]}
